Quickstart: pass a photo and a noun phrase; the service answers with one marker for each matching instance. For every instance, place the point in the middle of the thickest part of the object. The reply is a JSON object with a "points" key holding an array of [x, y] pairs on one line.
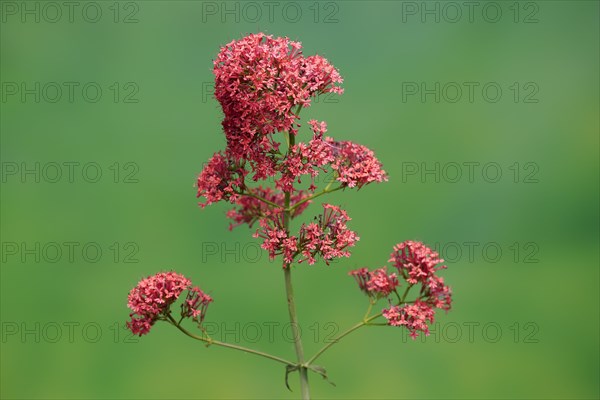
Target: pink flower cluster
{"points": [[261, 83], [417, 265], [415, 261], [376, 283], [355, 165], [219, 180], [306, 159], [328, 238], [152, 298], [195, 304], [413, 316]]}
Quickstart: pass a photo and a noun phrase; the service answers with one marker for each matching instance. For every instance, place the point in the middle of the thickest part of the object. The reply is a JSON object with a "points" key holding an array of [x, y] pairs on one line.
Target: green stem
{"points": [[289, 290], [364, 322], [304, 387], [210, 341], [250, 194]]}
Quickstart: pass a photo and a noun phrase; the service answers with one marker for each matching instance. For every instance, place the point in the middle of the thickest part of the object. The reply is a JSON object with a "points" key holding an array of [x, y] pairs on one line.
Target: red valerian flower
{"points": [[152, 298], [355, 164], [381, 282], [320, 76], [329, 238], [362, 276], [417, 264], [415, 261], [275, 237], [261, 82], [377, 283], [195, 304], [437, 294], [413, 316], [306, 159], [219, 180]]}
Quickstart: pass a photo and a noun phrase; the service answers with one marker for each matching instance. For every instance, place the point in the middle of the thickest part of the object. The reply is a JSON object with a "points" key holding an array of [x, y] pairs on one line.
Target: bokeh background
{"points": [[522, 247]]}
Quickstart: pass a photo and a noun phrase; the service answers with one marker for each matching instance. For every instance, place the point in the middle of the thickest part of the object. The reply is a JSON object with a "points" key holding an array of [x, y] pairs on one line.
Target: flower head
{"points": [[377, 283], [306, 159], [417, 264], [362, 276], [355, 164], [381, 282], [413, 316], [151, 300], [329, 238], [219, 179], [152, 297], [415, 261], [261, 82], [276, 239], [195, 304]]}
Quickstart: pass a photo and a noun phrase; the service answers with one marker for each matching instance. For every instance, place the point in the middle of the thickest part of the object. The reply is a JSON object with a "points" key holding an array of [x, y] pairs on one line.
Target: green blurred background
{"points": [[525, 322]]}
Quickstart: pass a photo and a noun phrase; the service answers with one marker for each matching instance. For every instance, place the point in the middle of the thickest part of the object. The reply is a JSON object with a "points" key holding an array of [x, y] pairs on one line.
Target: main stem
{"points": [[289, 290]]}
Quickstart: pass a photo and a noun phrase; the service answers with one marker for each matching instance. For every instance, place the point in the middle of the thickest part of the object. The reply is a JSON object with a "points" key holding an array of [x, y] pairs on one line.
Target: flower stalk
{"points": [[209, 341]]}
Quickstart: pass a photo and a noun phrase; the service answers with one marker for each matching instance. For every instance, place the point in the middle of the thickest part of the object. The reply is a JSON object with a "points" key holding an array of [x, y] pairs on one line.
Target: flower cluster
{"points": [[261, 82], [415, 261], [152, 298], [355, 164], [195, 304], [417, 265], [219, 180], [376, 283], [276, 239], [413, 316], [327, 238], [306, 159]]}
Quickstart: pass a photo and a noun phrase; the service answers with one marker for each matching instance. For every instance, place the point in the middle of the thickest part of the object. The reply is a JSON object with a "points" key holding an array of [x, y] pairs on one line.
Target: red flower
{"points": [[152, 298]]}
